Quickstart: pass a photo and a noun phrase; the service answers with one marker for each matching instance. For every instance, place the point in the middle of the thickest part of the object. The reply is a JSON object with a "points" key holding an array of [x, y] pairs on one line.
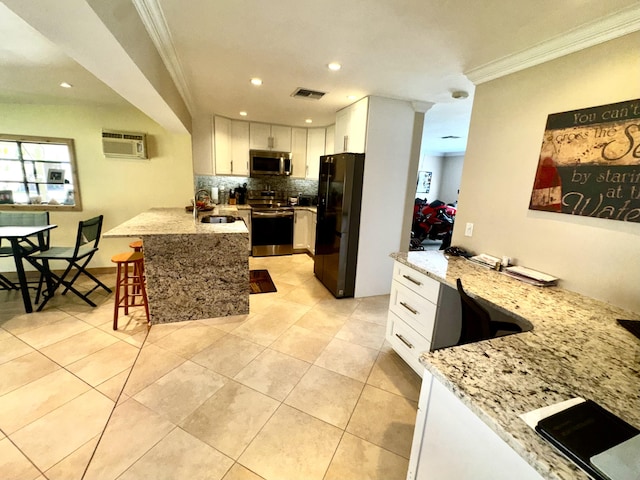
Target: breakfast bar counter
{"points": [[193, 270], [575, 349]]}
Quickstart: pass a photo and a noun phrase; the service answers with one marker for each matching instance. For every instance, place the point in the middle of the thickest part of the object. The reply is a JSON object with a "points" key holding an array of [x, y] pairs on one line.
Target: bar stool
{"points": [[137, 247], [129, 287]]}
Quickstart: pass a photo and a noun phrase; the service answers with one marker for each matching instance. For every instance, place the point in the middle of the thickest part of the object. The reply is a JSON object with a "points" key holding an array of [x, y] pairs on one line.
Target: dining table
{"points": [[22, 244]]}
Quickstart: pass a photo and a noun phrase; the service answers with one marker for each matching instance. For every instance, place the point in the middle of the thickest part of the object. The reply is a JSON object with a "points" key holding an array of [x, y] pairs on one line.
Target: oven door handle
{"points": [[271, 214]]}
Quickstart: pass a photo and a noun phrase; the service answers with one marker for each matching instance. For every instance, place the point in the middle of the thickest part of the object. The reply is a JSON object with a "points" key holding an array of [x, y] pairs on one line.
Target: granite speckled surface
{"points": [[576, 349], [194, 270]]}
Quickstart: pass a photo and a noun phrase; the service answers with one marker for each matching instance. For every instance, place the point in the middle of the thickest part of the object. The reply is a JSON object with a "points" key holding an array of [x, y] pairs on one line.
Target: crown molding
{"points": [[604, 29], [153, 19]]}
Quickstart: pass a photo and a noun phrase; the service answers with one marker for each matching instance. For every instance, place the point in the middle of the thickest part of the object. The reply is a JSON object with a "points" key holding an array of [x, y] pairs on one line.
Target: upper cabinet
{"points": [[329, 140], [316, 138], [351, 128], [299, 152], [263, 136], [231, 138]]}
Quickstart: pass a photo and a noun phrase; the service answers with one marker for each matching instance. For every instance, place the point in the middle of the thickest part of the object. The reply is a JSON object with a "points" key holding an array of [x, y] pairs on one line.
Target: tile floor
{"points": [[304, 387]]}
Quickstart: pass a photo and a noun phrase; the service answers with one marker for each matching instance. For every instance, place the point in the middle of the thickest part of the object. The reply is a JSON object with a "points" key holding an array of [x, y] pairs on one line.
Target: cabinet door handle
{"points": [[412, 280], [404, 340], [415, 312]]}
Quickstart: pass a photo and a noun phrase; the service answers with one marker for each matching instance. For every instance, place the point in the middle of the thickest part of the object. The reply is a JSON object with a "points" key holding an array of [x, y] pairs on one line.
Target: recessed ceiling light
{"points": [[243, 114], [334, 66], [66, 85], [351, 97], [308, 120], [256, 81]]}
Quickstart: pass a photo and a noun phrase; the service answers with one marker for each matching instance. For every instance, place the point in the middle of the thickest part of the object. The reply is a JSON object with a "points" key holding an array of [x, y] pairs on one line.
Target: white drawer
{"points": [[415, 310], [408, 343], [416, 281]]}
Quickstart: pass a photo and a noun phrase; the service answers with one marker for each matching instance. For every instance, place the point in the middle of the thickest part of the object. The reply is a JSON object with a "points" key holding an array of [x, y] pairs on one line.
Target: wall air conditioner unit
{"points": [[124, 144]]}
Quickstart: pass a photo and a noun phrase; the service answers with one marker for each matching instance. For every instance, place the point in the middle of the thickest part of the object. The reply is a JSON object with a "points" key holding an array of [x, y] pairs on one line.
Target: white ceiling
{"points": [[415, 50]]}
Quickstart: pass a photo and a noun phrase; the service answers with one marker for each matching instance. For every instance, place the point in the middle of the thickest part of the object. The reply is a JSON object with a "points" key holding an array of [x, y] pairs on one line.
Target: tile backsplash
{"points": [[290, 186]]}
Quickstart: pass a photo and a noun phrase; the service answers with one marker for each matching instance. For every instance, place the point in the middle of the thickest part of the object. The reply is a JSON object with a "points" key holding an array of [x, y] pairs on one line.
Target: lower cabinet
{"points": [[312, 233], [451, 442], [304, 230], [424, 315]]}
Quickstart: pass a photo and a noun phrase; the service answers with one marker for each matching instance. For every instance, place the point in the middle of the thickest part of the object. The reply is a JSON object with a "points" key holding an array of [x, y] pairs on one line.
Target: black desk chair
{"points": [[476, 321], [21, 219], [77, 257]]}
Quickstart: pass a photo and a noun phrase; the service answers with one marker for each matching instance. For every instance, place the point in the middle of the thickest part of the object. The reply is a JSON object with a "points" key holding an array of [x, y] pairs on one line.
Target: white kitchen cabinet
{"points": [[231, 139], [423, 315], [302, 219], [351, 128], [263, 136], [329, 141], [316, 138], [299, 152], [450, 441]]}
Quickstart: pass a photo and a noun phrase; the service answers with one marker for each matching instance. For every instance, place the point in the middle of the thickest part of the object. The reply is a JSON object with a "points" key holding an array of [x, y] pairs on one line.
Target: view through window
{"points": [[38, 173]]}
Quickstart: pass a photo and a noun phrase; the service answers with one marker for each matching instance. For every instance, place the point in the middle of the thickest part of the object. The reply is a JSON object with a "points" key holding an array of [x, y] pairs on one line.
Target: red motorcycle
{"points": [[432, 220]]}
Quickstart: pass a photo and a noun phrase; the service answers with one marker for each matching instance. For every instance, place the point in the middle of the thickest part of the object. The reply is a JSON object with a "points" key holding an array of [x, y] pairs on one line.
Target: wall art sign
{"points": [[424, 181], [590, 163]]}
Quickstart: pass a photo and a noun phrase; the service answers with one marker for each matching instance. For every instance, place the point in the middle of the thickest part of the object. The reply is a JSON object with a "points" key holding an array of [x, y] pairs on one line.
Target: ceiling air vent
{"points": [[309, 94]]}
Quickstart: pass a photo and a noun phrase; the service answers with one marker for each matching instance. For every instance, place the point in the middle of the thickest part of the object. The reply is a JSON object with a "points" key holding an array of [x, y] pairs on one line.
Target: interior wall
{"points": [[387, 161], [431, 163], [117, 188], [451, 175], [597, 257]]}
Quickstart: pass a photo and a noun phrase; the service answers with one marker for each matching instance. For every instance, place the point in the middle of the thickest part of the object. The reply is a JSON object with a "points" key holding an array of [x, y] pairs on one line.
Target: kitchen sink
{"points": [[218, 219]]}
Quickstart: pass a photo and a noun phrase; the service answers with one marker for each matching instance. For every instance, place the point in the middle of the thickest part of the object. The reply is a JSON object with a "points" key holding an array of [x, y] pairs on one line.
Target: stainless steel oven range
{"points": [[271, 224]]}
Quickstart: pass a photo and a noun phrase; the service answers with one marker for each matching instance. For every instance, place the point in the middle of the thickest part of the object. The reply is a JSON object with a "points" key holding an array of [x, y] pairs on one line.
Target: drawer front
{"points": [[418, 312], [416, 281], [407, 343]]}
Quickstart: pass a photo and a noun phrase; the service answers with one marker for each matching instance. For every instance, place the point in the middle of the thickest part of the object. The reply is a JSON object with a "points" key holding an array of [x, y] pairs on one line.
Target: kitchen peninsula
{"points": [[194, 270], [472, 395]]}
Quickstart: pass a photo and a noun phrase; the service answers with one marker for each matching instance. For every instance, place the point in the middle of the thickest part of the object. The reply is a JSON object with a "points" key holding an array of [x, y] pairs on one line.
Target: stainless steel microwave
{"points": [[267, 162]]}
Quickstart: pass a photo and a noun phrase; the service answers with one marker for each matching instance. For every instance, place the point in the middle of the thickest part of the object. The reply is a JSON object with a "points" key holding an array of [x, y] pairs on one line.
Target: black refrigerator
{"points": [[338, 221]]}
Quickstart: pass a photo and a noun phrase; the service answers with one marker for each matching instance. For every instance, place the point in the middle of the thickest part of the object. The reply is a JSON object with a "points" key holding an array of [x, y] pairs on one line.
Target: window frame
{"points": [[70, 144]]}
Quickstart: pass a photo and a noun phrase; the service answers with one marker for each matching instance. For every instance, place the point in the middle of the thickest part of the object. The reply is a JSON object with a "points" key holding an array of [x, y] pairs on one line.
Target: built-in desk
{"points": [[193, 270], [575, 348]]}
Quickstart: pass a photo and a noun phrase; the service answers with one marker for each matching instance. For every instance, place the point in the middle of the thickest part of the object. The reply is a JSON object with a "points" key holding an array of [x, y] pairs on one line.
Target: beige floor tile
{"points": [[20, 324], [238, 472], [132, 329], [392, 374], [362, 333], [74, 465], [78, 346], [326, 395], [113, 386], [359, 459], [94, 316], [258, 303], [59, 433], [228, 355], [104, 364], [322, 321], [348, 359], [301, 343], [156, 332], [374, 311], [179, 456], [392, 431], [54, 332], [132, 431], [190, 339], [292, 446], [177, 394], [154, 362], [309, 293], [342, 306], [23, 370], [4, 334], [231, 418], [262, 328], [14, 465], [12, 347], [286, 311], [30, 402], [226, 324], [273, 373]]}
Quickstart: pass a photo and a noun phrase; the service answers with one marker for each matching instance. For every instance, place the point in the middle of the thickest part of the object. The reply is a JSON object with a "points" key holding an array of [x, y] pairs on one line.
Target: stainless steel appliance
{"points": [[271, 224], [267, 162], [338, 222]]}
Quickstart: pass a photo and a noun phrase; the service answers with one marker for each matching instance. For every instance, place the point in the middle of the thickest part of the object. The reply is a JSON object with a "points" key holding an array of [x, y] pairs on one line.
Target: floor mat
{"points": [[260, 282]]}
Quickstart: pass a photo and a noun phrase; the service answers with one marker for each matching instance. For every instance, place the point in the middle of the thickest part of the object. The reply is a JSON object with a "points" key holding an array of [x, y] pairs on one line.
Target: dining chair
{"points": [[476, 321], [77, 257], [22, 219]]}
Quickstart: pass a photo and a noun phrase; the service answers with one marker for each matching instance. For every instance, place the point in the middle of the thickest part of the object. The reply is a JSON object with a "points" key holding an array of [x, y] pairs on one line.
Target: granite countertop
{"points": [[576, 349], [172, 221]]}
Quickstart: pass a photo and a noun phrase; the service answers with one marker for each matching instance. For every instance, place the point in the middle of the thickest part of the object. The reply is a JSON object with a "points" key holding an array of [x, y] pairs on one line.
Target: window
{"points": [[38, 173]]}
